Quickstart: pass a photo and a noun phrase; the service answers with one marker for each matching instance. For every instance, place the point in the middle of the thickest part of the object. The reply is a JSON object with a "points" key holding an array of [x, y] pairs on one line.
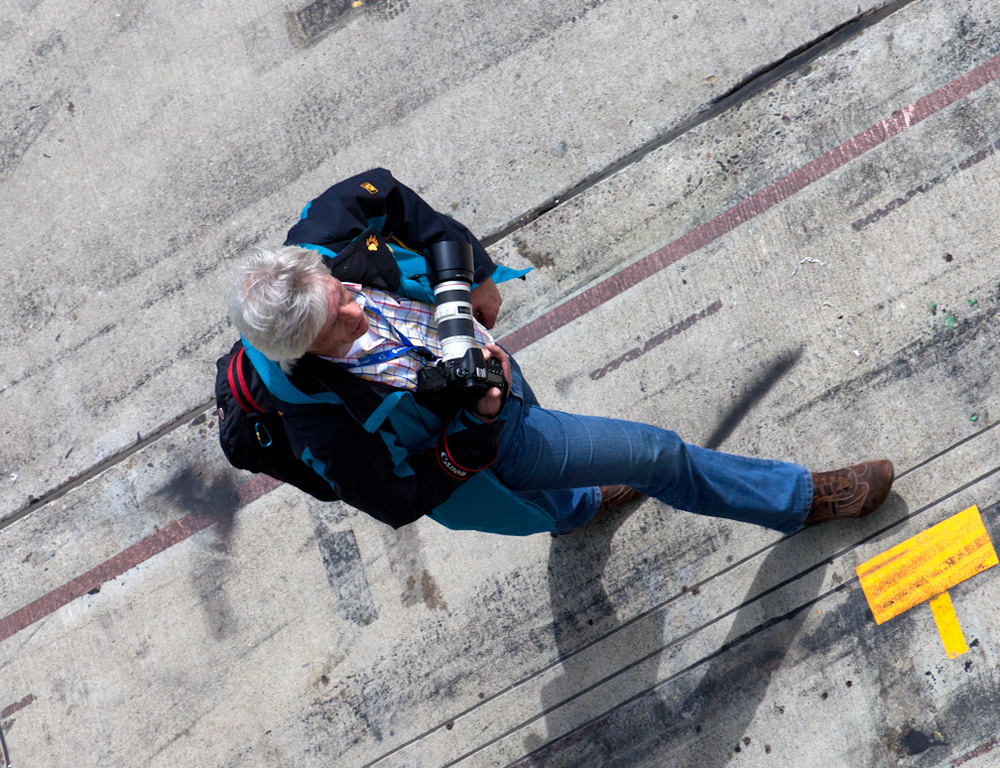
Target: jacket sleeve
{"points": [[374, 202], [372, 472]]}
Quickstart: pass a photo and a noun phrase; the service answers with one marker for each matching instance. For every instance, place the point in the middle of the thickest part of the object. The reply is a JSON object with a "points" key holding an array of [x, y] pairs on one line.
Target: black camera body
{"points": [[460, 382], [462, 375]]}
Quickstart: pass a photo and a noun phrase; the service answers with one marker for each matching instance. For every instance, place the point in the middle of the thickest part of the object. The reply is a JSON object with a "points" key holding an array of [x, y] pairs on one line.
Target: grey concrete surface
{"points": [[144, 145], [168, 612]]}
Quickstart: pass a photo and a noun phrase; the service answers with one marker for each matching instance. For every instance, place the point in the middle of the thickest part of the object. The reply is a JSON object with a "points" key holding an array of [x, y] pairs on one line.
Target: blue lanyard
{"points": [[389, 354]]}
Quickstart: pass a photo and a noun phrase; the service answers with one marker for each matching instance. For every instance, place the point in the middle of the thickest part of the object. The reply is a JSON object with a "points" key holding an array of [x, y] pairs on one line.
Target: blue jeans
{"points": [[558, 460]]}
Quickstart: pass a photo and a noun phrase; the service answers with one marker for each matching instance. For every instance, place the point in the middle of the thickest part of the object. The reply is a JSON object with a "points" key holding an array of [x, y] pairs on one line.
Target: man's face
{"points": [[345, 322]]}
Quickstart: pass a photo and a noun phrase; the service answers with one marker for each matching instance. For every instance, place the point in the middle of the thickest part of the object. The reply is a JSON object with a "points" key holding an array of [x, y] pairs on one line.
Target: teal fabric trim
{"points": [[305, 211], [399, 455], [457, 424], [483, 503], [317, 466], [418, 290], [279, 385], [503, 274], [379, 415], [378, 223], [413, 267], [319, 249], [415, 427], [413, 272]]}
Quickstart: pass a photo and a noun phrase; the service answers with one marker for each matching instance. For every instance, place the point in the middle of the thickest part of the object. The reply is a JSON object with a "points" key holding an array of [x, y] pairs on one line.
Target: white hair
{"points": [[278, 301]]}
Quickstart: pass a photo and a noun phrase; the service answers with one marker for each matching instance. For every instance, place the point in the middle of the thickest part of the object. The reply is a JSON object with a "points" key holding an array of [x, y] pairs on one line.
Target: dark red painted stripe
{"points": [[753, 206], [17, 707], [656, 340], [163, 539]]}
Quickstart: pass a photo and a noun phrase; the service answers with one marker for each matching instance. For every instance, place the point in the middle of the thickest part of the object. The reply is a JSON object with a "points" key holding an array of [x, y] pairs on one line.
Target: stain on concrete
{"points": [[564, 385], [430, 593], [721, 692], [6, 721], [408, 565], [345, 573], [31, 99], [964, 719], [916, 742], [357, 710], [388, 9], [10, 709], [22, 125], [964, 350], [324, 16], [192, 491], [539, 259], [267, 39]]}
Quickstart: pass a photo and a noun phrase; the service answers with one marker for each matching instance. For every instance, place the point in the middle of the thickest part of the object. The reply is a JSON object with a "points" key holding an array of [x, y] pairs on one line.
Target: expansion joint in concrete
{"points": [[36, 503]]}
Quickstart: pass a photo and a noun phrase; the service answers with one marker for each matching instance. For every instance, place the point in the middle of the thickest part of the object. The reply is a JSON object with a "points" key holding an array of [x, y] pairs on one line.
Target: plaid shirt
{"points": [[414, 319]]}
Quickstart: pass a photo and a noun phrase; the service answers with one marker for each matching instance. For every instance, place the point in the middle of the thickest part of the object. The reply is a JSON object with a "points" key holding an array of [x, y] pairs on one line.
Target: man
{"points": [[339, 320]]}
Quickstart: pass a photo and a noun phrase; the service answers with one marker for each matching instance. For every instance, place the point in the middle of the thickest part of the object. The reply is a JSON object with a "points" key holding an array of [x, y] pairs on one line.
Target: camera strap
{"points": [[390, 354]]}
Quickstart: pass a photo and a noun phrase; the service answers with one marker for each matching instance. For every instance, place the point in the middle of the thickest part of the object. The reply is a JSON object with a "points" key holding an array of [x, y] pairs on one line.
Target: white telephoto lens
{"points": [[453, 315]]}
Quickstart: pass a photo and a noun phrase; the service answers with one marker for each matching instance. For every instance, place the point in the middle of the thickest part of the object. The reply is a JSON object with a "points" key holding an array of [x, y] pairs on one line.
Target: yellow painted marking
{"points": [[927, 564], [947, 624]]}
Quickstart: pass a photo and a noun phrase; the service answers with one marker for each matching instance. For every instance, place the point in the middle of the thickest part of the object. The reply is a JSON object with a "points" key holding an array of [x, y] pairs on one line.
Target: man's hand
{"points": [[488, 407], [486, 301]]}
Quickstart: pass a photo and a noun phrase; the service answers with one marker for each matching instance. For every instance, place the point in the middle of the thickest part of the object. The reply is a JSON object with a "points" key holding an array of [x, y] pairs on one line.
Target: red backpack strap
{"points": [[243, 384], [232, 381]]}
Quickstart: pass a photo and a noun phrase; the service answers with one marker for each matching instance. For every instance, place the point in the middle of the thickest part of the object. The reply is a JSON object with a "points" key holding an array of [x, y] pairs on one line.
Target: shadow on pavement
{"points": [[193, 491], [735, 677]]}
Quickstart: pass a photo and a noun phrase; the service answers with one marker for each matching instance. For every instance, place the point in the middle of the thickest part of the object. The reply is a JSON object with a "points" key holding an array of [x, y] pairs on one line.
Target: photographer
{"points": [[339, 325]]}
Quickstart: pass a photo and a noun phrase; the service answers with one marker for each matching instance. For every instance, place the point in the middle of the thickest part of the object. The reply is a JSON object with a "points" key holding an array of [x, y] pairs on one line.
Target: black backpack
{"points": [[250, 431]]}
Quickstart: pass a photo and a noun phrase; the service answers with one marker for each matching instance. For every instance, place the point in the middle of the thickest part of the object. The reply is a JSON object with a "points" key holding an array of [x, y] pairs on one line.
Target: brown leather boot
{"points": [[850, 492], [615, 495]]}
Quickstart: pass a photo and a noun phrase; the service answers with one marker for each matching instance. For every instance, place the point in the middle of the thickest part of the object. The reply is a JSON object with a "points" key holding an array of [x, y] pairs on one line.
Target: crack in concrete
{"points": [[34, 504]]}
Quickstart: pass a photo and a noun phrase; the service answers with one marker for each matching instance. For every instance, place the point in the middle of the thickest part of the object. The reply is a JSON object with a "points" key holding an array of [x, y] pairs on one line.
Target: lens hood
{"points": [[449, 260]]}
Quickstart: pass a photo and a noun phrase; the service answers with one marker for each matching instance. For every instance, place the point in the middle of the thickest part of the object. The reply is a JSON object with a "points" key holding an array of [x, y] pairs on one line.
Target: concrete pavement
{"points": [[806, 272]]}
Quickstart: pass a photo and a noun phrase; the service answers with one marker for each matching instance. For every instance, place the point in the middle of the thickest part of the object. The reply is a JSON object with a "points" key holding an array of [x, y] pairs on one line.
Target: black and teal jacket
{"points": [[370, 229], [376, 446]]}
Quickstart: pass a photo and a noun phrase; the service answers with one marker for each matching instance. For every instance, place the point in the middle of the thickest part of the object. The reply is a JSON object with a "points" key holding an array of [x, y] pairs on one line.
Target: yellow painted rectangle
{"points": [[947, 624], [927, 564]]}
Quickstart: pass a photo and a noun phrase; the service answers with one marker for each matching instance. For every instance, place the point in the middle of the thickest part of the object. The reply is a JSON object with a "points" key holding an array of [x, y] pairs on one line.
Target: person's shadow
{"points": [[193, 490], [732, 684]]}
